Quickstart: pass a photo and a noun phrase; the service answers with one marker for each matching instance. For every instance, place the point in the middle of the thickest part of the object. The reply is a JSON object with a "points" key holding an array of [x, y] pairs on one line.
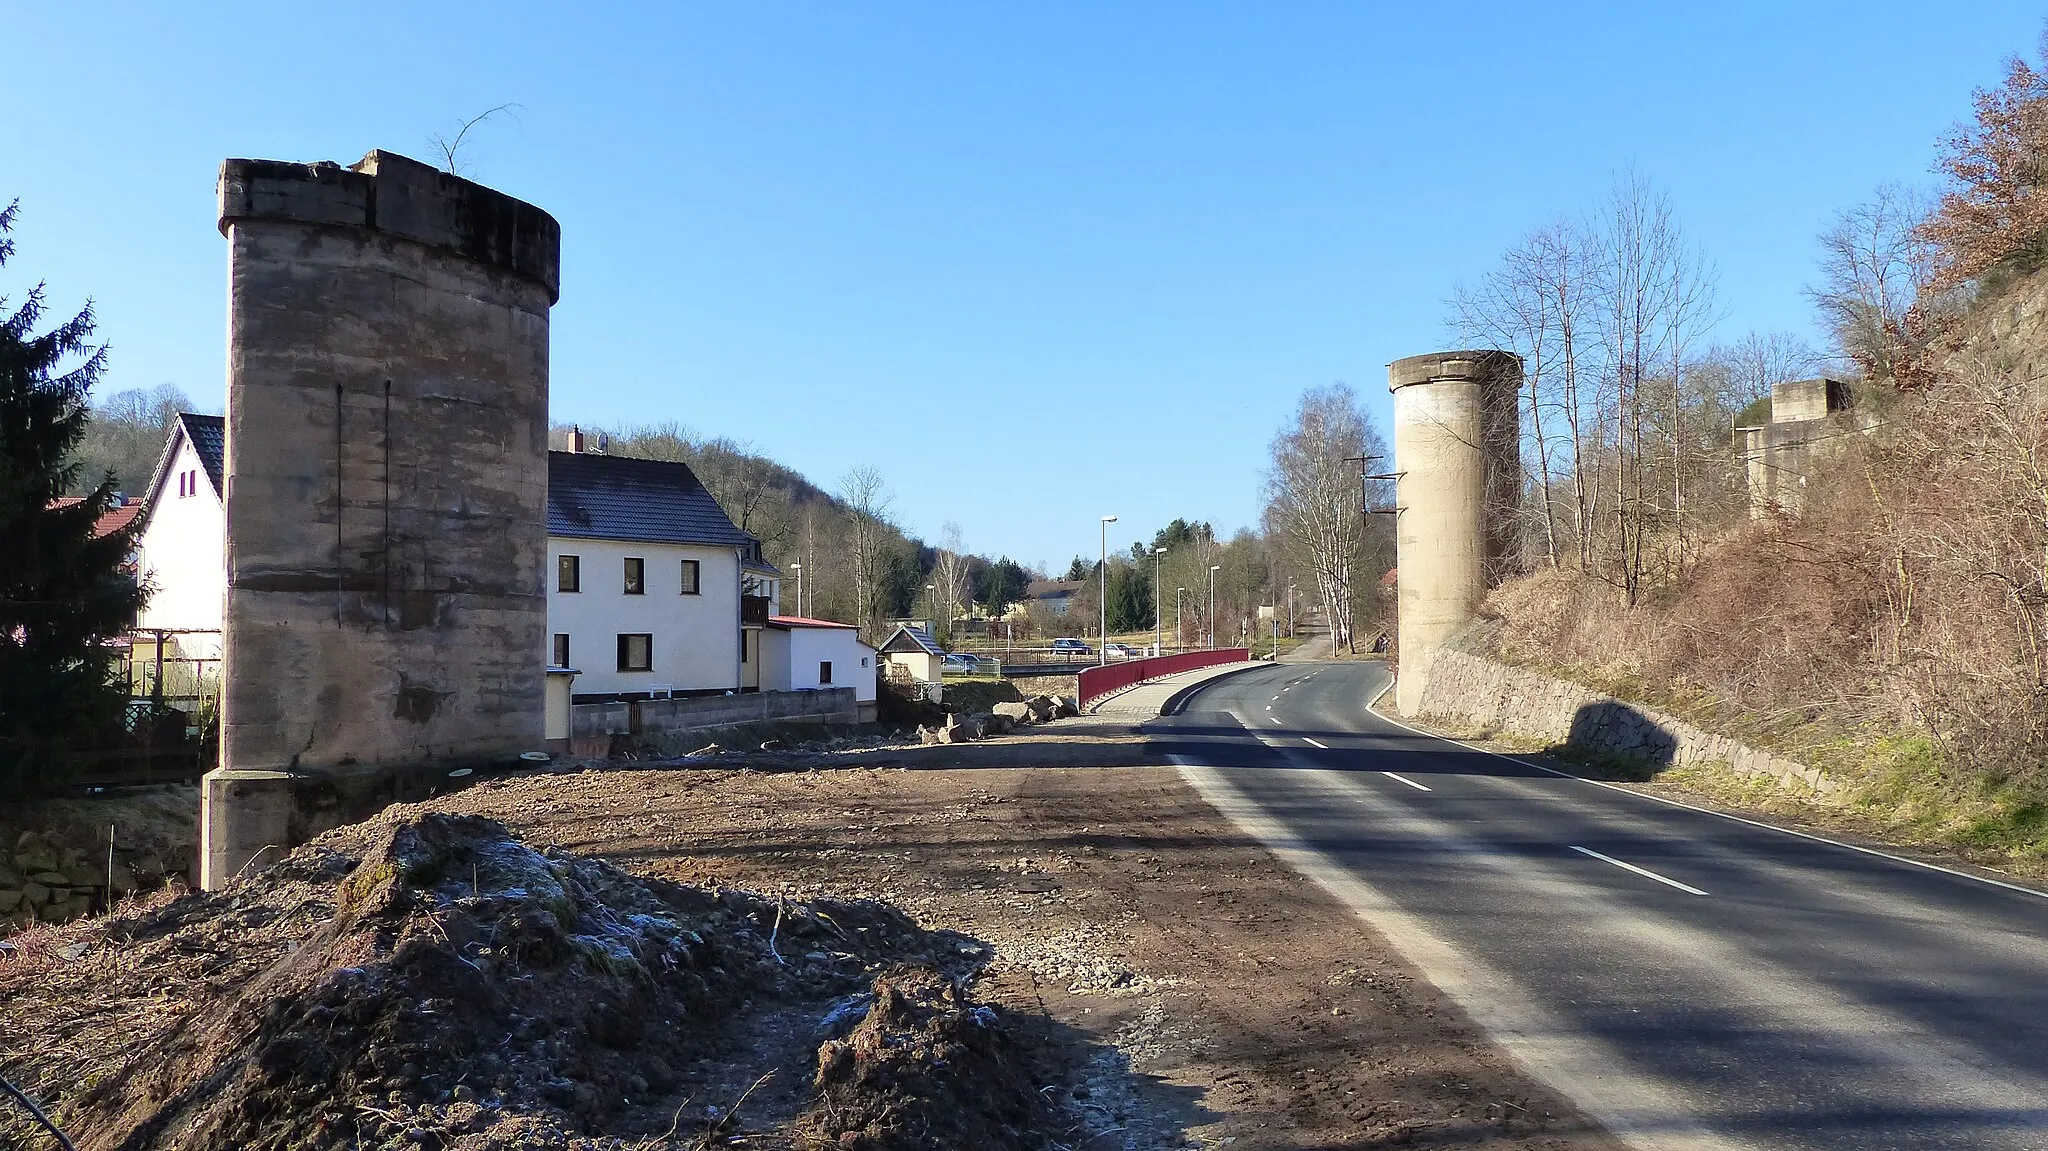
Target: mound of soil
{"points": [[427, 980], [926, 1069]]}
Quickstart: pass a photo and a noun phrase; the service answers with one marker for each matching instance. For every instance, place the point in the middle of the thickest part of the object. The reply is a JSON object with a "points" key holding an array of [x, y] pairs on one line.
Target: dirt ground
{"points": [[1213, 997]]}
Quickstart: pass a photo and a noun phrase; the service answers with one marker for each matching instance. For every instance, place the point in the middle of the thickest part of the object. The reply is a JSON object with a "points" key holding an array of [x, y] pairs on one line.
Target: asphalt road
{"points": [[1692, 980]]}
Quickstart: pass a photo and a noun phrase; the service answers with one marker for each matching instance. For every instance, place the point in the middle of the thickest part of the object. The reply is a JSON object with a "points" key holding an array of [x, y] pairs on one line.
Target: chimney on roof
{"points": [[576, 439]]}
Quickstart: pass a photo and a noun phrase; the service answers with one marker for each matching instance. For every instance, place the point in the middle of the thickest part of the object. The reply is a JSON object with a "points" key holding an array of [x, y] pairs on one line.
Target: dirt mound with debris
{"points": [[428, 980], [928, 1069]]}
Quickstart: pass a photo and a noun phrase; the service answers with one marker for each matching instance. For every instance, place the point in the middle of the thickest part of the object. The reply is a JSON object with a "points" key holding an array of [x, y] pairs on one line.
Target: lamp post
{"points": [[1102, 595], [1213, 569], [798, 568], [1158, 637], [1180, 631], [931, 599], [1290, 609]]}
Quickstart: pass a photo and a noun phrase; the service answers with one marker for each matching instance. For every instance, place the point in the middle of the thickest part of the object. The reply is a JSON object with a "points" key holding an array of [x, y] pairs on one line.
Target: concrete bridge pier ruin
{"points": [[386, 484], [1457, 457]]}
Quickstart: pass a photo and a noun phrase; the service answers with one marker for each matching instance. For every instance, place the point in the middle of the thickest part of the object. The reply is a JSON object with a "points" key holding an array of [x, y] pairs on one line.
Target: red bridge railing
{"points": [[1097, 682]]}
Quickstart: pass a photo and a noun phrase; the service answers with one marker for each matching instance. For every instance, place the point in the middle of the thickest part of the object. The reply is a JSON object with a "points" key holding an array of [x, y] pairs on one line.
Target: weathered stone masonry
{"points": [[386, 476], [1479, 691]]}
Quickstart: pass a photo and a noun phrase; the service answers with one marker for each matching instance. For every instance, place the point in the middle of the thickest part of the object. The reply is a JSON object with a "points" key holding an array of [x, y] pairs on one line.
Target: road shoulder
{"points": [[1242, 1005]]}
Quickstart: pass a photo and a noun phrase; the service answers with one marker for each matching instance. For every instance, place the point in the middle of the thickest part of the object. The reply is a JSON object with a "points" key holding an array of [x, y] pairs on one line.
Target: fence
{"points": [[1097, 682]]}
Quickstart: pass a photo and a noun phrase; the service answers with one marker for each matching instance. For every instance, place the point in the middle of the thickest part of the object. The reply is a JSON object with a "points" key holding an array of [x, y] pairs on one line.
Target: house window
{"points": [[561, 649], [569, 573], [689, 577], [636, 576], [825, 671], [636, 653]]}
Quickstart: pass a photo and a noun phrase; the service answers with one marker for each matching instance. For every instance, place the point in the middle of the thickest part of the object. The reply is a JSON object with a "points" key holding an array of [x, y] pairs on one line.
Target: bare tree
{"points": [[1313, 494], [1876, 262], [949, 574], [1656, 295], [866, 498], [1538, 302], [450, 147]]}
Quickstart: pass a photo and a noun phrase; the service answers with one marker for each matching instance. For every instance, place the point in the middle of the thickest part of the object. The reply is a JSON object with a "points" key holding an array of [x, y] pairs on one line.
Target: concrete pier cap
{"points": [[1457, 455], [386, 482]]}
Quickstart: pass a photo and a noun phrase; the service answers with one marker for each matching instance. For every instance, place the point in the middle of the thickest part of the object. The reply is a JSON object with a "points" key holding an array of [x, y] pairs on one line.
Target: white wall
{"points": [[794, 656], [696, 637], [181, 552]]}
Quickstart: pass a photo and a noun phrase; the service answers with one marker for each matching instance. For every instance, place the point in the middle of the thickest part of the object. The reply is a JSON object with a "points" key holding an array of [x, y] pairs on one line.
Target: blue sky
{"points": [[1088, 255]]}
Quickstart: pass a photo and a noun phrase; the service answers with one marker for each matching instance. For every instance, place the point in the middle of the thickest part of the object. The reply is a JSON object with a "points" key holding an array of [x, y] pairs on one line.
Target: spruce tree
{"points": [[63, 592]]}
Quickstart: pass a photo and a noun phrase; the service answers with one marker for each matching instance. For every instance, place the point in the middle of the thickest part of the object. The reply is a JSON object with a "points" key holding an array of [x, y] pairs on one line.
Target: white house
{"points": [[652, 591], [799, 654], [179, 549]]}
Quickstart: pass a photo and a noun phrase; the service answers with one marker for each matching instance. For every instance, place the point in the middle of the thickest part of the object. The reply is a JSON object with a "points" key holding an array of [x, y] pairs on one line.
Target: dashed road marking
{"points": [[1406, 780], [1642, 871]]}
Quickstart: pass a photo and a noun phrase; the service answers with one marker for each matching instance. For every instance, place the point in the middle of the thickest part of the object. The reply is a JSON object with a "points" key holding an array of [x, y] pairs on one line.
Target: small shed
{"points": [[918, 656]]}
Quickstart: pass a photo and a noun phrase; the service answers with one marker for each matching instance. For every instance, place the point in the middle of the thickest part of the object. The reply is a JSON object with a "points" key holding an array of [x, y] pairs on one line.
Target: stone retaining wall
{"points": [[591, 725], [1475, 690]]}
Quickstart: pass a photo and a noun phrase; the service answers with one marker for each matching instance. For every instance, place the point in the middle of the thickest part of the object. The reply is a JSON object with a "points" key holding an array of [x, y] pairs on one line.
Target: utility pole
{"points": [[1213, 569], [1180, 630], [1102, 596], [798, 567], [1158, 647]]}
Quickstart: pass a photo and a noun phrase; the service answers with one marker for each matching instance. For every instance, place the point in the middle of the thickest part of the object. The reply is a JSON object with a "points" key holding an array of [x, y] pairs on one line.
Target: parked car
{"points": [[959, 663], [1071, 647], [1119, 651]]}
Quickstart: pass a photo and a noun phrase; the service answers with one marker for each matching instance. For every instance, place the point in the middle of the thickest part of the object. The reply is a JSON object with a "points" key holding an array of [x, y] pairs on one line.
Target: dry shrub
{"points": [[1912, 594]]}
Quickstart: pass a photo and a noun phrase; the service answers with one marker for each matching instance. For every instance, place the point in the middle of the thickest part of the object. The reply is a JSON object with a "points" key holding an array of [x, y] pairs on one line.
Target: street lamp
{"points": [[798, 568], [1180, 631], [1157, 637], [1213, 569], [1290, 609], [931, 599], [1102, 595]]}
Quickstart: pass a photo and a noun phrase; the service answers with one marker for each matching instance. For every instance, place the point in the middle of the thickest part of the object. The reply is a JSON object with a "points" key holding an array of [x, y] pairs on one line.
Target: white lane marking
{"points": [[1406, 780], [1646, 1112], [1276, 699], [1273, 719], [1313, 743], [1923, 864], [1642, 871]]}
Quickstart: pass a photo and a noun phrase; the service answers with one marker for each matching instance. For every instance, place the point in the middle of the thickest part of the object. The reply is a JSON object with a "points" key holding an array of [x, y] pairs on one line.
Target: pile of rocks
{"points": [[42, 881], [1006, 716]]}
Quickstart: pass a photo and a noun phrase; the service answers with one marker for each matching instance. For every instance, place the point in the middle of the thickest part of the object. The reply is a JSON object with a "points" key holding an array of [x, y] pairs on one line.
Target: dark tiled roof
{"points": [[210, 439], [906, 638], [616, 498], [209, 436]]}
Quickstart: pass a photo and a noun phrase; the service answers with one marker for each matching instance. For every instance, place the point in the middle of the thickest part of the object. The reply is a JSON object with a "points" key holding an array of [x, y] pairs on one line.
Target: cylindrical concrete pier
{"points": [[1457, 449]]}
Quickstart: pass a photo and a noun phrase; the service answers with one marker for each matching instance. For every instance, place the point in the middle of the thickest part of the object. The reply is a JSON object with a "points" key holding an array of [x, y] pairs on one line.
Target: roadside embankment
{"points": [[1485, 694]]}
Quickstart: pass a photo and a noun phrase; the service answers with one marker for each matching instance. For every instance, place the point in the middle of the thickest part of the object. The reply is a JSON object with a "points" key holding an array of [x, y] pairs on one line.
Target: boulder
{"points": [[1043, 707], [1068, 707], [34, 894], [997, 724], [10, 899], [1017, 714], [931, 735]]}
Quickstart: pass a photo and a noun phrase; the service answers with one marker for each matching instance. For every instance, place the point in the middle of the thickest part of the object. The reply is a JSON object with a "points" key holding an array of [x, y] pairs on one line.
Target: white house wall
{"points": [[180, 552], [810, 646], [696, 637]]}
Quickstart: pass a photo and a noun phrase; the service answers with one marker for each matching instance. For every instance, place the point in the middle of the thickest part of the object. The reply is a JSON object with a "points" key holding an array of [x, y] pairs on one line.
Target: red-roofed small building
{"points": [[801, 654]]}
